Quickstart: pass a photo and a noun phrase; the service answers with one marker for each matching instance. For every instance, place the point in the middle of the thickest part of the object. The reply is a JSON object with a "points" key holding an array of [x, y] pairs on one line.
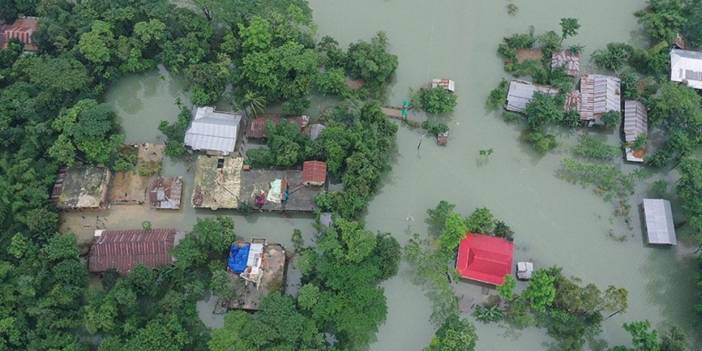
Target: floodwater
{"points": [[556, 223]]}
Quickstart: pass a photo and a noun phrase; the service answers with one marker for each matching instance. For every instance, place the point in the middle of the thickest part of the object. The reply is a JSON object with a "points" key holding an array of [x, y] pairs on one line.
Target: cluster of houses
{"points": [[487, 259], [222, 180]]}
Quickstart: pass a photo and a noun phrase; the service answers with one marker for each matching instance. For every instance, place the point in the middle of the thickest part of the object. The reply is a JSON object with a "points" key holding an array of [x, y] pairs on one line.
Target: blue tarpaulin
{"points": [[238, 254]]}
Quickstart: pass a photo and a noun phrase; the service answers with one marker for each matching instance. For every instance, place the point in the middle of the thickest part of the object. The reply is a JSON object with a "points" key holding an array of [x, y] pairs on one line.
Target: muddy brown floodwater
{"points": [[556, 223]]}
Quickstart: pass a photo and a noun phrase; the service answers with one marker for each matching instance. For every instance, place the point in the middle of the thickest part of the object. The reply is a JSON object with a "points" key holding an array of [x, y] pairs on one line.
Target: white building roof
{"points": [[659, 222], [521, 92], [213, 131], [686, 67]]}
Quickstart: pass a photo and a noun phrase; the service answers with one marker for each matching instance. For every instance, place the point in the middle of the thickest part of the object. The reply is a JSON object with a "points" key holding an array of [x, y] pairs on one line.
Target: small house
{"points": [[635, 125], [521, 92], [484, 258], [444, 83], [314, 173], [525, 270], [212, 131], [217, 182], [686, 67], [122, 250], [259, 269], [257, 126], [22, 29], [442, 138], [599, 94], [660, 227], [568, 60], [81, 187], [165, 192]]}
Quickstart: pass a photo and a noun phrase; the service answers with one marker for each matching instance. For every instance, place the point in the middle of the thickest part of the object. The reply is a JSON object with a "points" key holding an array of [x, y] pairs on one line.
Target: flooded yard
{"points": [[555, 223]]}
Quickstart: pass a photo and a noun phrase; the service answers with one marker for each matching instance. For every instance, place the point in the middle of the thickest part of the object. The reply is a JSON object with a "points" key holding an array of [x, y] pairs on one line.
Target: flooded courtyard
{"points": [[555, 223]]}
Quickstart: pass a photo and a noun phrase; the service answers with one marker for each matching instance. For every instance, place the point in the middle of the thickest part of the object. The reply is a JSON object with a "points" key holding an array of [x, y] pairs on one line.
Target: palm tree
{"points": [[254, 102]]}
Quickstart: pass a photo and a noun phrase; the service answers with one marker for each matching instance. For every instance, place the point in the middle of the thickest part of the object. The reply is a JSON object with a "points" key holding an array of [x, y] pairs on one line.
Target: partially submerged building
{"points": [[213, 132], [130, 187], [22, 29], [165, 192], [686, 67], [81, 187], [444, 83], [279, 190], [660, 228], [635, 125], [217, 182], [257, 126], [259, 268], [599, 94], [122, 250], [484, 258], [521, 92], [568, 60]]}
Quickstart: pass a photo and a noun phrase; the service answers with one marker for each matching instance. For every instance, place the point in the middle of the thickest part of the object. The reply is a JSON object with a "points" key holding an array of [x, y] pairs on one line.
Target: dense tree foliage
{"points": [[677, 110], [570, 312], [645, 339], [431, 256], [339, 299], [435, 100], [529, 55], [455, 334]]}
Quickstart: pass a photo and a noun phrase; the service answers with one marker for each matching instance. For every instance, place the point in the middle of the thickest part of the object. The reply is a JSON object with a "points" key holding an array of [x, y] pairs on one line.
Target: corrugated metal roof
{"points": [[314, 172], [686, 67], [166, 192], [22, 29], [484, 258], [521, 92], [599, 95], [213, 131], [123, 250], [659, 222], [568, 60], [635, 120]]}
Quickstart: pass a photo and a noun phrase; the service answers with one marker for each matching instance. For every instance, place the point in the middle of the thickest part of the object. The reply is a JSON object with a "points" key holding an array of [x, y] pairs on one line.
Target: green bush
{"points": [[497, 96], [593, 149], [436, 100], [435, 127]]}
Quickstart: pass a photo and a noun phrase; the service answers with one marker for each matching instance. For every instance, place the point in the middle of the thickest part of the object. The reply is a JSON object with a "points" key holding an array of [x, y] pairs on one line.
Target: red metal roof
{"points": [[123, 250], [484, 258], [314, 173], [22, 30]]}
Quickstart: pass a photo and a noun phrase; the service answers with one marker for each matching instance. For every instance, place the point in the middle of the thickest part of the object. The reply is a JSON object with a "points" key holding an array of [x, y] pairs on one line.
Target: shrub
{"points": [[593, 149], [435, 127], [611, 119], [497, 96], [436, 100]]}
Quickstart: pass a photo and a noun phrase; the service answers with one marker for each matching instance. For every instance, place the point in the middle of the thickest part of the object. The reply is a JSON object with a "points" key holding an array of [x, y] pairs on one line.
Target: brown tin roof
{"points": [[123, 250]]}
